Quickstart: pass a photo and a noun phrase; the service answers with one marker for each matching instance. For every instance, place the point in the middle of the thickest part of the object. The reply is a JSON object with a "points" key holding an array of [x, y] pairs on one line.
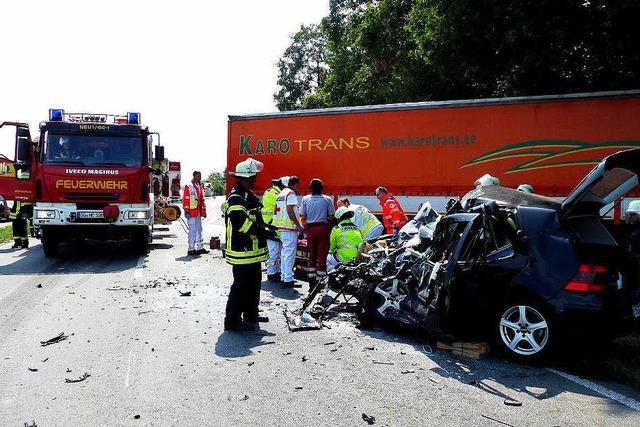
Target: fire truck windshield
{"points": [[92, 150]]}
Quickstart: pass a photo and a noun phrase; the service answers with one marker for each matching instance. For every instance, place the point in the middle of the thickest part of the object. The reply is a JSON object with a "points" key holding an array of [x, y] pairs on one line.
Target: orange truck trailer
{"points": [[436, 150]]}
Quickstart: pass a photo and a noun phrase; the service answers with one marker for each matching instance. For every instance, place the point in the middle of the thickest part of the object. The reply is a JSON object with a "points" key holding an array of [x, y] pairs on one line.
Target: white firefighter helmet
{"points": [[247, 168], [525, 188], [285, 181], [486, 180], [343, 212], [634, 207]]}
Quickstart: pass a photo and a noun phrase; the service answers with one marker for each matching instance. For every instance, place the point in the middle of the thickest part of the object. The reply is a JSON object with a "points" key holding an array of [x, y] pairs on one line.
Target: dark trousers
{"points": [[20, 228], [318, 246], [244, 295]]}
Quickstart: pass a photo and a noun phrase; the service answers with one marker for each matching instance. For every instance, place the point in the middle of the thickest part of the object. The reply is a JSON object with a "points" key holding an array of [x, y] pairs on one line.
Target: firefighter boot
{"points": [[16, 244]]}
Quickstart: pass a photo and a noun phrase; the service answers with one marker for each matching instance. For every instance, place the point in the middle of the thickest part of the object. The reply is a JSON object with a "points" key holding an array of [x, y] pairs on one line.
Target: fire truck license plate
{"points": [[89, 215], [636, 310]]}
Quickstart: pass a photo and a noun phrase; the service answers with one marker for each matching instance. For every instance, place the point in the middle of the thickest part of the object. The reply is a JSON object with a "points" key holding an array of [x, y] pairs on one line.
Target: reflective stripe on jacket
{"points": [[246, 240], [364, 219], [269, 203], [344, 241], [15, 209], [193, 200], [281, 218]]}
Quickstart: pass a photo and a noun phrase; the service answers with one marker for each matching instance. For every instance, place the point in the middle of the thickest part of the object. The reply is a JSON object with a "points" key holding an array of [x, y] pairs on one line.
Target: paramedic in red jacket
{"points": [[194, 210], [393, 217]]}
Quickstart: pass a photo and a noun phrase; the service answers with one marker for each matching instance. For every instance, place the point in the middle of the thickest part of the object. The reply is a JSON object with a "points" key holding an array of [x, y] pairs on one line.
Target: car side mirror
{"points": [[158, 154], [23, 151]]}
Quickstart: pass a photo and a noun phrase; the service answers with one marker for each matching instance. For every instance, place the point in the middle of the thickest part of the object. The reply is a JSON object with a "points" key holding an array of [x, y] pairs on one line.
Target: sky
{"points": [[184, 65]]}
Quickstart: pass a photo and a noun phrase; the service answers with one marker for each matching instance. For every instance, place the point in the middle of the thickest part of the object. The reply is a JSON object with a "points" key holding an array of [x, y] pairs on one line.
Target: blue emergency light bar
{"points": [[58, 115], [55, 114], [133, 118]]}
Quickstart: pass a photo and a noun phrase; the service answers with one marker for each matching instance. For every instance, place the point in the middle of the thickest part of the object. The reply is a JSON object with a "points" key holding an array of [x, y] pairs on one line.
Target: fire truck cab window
{"points": [[93, 150]]}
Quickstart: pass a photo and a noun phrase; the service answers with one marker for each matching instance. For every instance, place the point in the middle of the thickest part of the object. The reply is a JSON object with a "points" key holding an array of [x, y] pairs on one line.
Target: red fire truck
{"points": [[88, 176]]}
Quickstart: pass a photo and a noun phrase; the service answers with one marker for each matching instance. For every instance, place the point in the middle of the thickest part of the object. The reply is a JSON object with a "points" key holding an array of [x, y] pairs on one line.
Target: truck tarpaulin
{"points": [[441, 148]]}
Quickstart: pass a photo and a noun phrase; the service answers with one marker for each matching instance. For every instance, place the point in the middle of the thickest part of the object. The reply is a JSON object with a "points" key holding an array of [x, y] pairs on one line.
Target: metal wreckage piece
{"points": [[409, 280], [375, 287]]}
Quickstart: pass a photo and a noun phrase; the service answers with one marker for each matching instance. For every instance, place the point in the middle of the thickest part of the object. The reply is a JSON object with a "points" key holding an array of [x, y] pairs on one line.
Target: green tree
{"points": [[302, 68], [218, 182], [382, 51]]}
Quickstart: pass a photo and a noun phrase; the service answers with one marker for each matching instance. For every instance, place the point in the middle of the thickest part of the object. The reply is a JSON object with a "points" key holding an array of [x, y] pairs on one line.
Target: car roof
{"points": [[509, 197]]}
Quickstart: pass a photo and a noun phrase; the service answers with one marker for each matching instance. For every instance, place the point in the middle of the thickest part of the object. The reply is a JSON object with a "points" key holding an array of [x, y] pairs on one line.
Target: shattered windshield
{"points": [[92, 150]]}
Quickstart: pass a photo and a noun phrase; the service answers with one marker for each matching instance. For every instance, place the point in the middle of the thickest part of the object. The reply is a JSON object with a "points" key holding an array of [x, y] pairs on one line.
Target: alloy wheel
{"points": [[524, 330], [393, 293]]}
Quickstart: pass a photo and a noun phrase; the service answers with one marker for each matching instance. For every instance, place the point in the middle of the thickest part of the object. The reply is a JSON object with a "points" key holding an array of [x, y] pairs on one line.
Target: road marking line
{"points": [[126, 380], [139, 267], [624, 400]]}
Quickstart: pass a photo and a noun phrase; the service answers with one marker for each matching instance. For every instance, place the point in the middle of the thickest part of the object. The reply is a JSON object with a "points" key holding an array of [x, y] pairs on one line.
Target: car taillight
{"points": [[591, 278]]}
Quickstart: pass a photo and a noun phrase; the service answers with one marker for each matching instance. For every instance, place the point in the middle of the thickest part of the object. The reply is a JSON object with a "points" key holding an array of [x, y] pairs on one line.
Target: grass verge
{"points": [[6, 234], [617, 360]]}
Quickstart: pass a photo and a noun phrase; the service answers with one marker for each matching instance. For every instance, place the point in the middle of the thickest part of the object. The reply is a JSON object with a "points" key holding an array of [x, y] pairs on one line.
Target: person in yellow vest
{"points": [[367, 223], [273, 241], [19, 216], [287, 220], [194, 210], [344, 240], [246, 248]]}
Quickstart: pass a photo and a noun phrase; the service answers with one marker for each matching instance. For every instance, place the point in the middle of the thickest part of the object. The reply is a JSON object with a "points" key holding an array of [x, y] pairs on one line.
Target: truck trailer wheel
{"points": [[49, 242]]}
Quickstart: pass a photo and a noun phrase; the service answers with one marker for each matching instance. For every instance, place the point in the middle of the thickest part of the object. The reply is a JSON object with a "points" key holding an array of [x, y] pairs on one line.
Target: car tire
{"points": [[524, 331], [49, 240]]}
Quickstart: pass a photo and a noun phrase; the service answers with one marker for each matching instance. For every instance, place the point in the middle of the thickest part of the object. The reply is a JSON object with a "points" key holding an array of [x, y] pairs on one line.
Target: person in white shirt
{"points": [[287, 221]]}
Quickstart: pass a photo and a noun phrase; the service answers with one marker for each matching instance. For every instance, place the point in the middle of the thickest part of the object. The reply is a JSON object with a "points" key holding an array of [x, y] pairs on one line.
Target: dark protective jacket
{"points": [[245, 229]]}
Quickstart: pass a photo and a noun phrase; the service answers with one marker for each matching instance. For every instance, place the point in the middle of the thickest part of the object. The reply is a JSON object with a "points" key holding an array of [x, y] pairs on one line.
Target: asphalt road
{"points": [[165, 358]]}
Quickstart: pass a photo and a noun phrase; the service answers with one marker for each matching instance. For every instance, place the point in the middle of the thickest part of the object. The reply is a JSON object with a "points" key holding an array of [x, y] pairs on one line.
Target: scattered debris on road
{"points": [[245, 397], [305, 358], [368, 419], [45, 359], [512, 402], [82, 378], [145, 312], [185, 294], [472, 350], [60, 337], [498, 421], [136, 417], [39, 285], [31, 424], [377, 362], [33, 369], [408, 371]]}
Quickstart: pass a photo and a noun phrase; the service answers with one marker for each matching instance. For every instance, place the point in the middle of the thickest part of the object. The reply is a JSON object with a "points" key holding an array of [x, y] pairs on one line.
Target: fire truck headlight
{"points": [[138, 215], [46, 214]]}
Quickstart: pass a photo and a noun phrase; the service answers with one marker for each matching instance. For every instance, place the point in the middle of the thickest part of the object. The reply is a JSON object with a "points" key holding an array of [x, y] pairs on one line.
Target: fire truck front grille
{"points": [[91, 197]]}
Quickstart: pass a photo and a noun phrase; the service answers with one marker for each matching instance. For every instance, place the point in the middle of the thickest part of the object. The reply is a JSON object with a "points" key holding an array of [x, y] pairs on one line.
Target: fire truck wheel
{"points": [[141, 242], [49, 242]]}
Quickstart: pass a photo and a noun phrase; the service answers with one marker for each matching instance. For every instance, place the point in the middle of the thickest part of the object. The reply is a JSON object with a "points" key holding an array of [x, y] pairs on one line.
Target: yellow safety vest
{"points": [[269, 203], [280, 215], [344, 241]]}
